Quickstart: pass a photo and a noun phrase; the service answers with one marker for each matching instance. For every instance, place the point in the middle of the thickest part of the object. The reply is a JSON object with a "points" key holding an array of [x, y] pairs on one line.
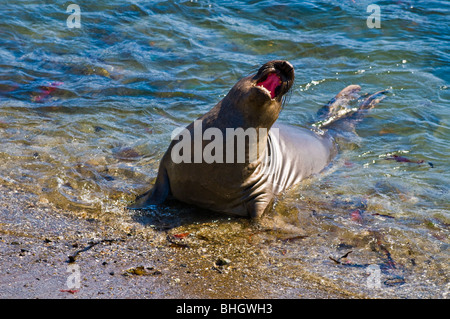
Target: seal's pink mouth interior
{"points": [[271, 83]]}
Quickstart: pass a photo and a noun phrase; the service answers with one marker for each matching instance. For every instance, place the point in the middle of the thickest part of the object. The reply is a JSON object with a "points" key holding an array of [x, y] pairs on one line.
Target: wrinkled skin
{"points": [[285, 155]]}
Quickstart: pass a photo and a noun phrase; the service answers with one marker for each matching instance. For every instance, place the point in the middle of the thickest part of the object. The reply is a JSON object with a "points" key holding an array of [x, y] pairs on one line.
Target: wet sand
{"points": [[39, 244]]}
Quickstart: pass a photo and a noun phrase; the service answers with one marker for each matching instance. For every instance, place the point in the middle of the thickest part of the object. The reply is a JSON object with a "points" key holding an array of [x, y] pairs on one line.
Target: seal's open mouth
{"points": [[271, 83]]}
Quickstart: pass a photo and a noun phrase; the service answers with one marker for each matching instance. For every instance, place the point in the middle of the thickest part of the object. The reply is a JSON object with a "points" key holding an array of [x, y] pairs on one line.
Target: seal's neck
{"points": [[236, 115], [245, 130]]}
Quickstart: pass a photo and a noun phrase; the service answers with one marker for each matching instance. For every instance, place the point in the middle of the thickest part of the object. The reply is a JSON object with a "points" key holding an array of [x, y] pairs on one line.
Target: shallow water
{"points": [[86, 114]]}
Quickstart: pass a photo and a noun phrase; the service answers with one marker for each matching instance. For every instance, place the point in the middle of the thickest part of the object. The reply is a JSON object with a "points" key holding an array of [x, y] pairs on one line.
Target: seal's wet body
{"points": [[285, 154]]}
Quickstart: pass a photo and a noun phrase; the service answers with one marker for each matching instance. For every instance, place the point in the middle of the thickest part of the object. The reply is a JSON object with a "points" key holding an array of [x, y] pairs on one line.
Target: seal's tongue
{"points": [[271, 83]]}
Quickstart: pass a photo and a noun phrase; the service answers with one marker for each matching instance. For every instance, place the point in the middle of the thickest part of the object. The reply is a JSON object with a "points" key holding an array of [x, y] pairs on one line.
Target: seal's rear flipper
{"points": [[340, 107], [370, 102], [155, 196]]}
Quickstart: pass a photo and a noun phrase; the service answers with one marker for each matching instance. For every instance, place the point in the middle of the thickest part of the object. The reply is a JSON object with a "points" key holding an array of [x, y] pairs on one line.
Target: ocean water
{"points": [[87, 113]]}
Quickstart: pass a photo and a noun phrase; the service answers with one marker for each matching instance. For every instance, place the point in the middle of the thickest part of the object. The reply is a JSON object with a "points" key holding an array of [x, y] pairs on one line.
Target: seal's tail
{"points": [[347, 104]]}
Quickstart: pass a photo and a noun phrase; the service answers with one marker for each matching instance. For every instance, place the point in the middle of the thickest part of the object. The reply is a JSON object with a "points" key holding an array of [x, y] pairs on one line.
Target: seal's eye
{"points": [[271, 83]]}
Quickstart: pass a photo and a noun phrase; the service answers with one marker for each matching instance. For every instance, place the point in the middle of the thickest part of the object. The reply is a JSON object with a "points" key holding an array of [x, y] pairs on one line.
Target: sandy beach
{"points": [[38, 245]]}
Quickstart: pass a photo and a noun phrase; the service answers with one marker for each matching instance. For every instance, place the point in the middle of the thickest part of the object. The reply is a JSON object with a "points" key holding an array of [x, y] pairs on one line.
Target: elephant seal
{"points": [[244, 181]]}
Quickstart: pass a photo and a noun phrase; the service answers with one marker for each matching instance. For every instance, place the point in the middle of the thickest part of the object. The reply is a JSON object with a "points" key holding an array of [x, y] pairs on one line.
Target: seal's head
{"points": [[259, 97]]}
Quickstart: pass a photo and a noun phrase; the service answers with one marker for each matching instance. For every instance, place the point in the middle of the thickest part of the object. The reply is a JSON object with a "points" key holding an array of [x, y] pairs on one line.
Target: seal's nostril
{"points": [[285, 67], [288, 67]]}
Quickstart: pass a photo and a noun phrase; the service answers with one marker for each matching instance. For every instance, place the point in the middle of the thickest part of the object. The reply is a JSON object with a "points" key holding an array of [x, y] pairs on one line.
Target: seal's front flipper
{"points": [[155, 196], [257, 206]]}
